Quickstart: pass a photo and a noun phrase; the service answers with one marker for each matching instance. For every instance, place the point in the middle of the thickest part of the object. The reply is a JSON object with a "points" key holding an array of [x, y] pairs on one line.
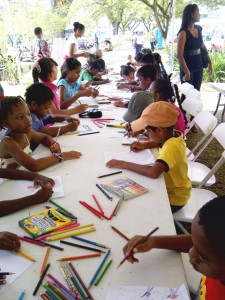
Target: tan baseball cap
{"points": [[158, 114]]}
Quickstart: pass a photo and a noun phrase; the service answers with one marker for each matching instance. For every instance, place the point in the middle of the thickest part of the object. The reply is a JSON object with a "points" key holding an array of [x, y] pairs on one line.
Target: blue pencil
{"points": [[21, 296], [89, 242], [99, 269]]}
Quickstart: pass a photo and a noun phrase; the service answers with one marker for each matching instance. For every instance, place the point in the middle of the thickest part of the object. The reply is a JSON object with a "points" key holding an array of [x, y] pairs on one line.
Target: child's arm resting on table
{"points": [[153, 171], [9, 241], [44, 181], [13, 149], [10, 206], [180, 243]]}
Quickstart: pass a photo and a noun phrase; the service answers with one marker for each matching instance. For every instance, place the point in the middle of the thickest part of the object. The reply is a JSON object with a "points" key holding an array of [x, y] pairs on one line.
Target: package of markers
{"points": [[44, 222]]}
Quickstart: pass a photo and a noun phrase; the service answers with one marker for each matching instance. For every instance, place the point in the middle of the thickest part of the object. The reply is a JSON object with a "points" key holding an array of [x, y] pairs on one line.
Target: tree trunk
{"points": [[115, 25]]}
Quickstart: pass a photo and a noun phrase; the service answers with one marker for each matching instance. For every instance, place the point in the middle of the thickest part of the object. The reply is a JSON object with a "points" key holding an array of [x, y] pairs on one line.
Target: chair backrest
{"points": [[193, 94], [192, 106], [185, 87], [207, 122], [219, 134]]}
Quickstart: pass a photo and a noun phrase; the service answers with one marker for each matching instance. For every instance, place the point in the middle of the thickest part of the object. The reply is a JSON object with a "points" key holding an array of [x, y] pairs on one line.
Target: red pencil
{"points": [[112, 214], [99, 206], [95, 212], [120, 233], [22, 238]]}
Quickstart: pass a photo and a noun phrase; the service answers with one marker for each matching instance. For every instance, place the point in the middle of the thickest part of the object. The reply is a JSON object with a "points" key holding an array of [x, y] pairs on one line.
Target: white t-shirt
{"points": [[71, 40]]}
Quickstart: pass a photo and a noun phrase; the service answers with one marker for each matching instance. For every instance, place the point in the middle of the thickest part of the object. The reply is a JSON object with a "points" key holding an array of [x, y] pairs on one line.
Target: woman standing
{"points": [[72, 43], [189, 47]]}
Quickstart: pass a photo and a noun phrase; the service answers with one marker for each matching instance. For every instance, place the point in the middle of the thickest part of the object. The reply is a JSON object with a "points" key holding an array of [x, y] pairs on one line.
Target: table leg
{"points": [[223, 113], [218, 104]]}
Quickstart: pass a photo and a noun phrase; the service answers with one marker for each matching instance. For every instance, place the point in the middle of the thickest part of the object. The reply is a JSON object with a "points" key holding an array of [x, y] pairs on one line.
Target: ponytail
{"points": [[78, 26]]}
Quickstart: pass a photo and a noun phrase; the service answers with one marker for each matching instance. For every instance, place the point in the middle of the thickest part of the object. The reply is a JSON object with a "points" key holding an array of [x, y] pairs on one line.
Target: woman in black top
{"points": [[189, 47]]}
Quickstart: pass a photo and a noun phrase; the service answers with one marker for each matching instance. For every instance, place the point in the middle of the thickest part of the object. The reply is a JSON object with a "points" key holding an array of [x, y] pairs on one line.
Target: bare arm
{"points": [[70, 111], [73, 53], [150, 171], [66, 103], [180, 54], [53, 131]]}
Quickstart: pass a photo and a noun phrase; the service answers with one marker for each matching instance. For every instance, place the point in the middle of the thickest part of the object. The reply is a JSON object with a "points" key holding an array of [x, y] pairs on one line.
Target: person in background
{"points": [[127, 73], [205, 246], [147, 59], [89, 75], [39, 47], [158, 61], [146, 51], [41, 196], [139, 42], [72, 43], [152, 40]]}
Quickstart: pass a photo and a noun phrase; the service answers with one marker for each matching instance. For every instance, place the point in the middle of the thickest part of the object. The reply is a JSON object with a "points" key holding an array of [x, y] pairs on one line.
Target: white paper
{"points": [[58, 190], [15, 263], [144, 157], [83, 128], [128, 140], [146, 292]]}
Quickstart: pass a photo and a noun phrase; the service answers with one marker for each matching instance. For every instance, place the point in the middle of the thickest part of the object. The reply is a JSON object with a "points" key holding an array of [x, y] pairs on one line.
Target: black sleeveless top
{"points": [[192, 44]]}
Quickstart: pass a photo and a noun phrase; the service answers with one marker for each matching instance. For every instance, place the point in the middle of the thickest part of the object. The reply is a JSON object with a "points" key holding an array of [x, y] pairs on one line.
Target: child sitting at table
{"points": [[41, 196], [205, 246], [147, 59], [158, 61], [69, 90], [15, 146], [39, 99], [45, 70], [127, 73], [158, 120], [146, 75], [89, 75]]}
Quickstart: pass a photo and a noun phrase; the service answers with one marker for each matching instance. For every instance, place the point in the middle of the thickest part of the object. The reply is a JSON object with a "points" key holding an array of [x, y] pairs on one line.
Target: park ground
{"points": [[118, 57]]}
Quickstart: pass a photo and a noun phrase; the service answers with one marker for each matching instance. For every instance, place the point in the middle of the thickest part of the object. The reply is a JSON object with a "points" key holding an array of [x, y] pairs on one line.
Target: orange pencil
{"points": [[45, 260], [79, 257]]}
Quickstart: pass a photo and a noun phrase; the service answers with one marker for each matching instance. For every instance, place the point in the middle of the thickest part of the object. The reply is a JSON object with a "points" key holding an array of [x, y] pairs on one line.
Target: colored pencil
{"points": [[93, 209], [65, 292], [67, 279], [81, 281], [58, 291], [119, 204], [69, 234], [23, 238], [21, 296], [97, 124], [76, 283], [95, 212], [79, 257], [120, 233], [47, 244], [89, 242], [6, 273], [24, 254], [59, 230], [63, 212], [81, 246], [68, 230], [41, 279], [88, 133], [62, 208], [144, 239], [103, 273], [58, 133], [45, 296], [70, 133], [98, 204], [110, 174], [60, 284], [52, 294], [99, 268], [104, 192], [114, 126], [113, 212], [45, 260]]}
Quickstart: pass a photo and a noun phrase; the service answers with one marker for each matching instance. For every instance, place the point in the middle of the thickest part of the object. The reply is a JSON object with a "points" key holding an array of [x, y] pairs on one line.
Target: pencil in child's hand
{"points": [[144, 239]]}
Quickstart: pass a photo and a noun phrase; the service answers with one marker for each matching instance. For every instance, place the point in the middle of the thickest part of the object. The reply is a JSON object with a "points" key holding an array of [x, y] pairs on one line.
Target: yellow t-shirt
{"points": [[173, 156]]}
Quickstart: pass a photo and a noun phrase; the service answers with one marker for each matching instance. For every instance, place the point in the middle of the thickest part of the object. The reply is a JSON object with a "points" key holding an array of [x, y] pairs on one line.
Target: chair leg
{"points": [[218, 104], [181, 227]]}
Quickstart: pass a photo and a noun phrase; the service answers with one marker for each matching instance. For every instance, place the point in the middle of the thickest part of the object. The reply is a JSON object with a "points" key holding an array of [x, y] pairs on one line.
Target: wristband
{"points": [[59, 156]]}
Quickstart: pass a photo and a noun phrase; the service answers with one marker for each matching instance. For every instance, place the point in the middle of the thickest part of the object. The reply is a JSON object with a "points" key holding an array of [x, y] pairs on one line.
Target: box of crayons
{"points": [[44, 222], [129, 188]]}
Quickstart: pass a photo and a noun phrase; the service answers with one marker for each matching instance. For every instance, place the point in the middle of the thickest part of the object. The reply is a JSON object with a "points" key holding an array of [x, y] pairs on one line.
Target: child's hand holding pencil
{"points": [[9, 241]]}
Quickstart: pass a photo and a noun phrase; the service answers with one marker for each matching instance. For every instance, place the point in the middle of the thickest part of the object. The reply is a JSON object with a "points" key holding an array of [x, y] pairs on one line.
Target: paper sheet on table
{"points": [[146, 292], [128, 140], [144, 157], [57, 189], [15, 263], [83, 128]]}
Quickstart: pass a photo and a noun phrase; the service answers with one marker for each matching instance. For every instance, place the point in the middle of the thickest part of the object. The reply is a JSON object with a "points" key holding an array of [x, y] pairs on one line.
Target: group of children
{"points": [[151, 110]]}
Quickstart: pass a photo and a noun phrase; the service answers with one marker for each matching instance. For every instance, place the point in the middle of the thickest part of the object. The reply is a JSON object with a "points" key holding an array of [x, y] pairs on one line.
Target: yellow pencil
{"points": [[68, 234], [70, 229], [24, 254], [70, 133], [45, 260]]}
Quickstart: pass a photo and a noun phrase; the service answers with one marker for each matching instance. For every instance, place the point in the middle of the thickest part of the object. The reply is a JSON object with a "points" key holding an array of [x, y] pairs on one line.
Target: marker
{"points": [[21, 296]]}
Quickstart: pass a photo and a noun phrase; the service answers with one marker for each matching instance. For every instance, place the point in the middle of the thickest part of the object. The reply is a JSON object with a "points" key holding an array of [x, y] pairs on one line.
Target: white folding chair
{"points": [[198, 172]]}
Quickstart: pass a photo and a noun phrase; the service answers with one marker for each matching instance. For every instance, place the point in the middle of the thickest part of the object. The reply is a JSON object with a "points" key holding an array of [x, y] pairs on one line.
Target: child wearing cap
{"points": [[90, 74], [159, 119], [205, 245]]}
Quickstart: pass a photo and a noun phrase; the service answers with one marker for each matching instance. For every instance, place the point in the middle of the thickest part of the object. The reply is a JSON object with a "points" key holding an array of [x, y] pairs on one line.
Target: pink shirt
{"points": [[53, 87], [180, 125]]}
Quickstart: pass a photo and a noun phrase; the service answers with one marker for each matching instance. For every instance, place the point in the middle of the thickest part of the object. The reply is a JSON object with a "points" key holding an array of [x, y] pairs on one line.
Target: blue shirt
{"points": [[71, 90]]}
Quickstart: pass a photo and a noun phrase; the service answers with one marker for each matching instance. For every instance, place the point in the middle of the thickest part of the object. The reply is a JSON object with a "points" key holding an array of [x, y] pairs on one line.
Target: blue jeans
{"points": [[138, 48], [195, 78]]}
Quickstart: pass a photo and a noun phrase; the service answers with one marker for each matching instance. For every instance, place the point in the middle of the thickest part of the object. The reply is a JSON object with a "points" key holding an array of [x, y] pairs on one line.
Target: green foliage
{"points": [[218, 61], [9, 70]]}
